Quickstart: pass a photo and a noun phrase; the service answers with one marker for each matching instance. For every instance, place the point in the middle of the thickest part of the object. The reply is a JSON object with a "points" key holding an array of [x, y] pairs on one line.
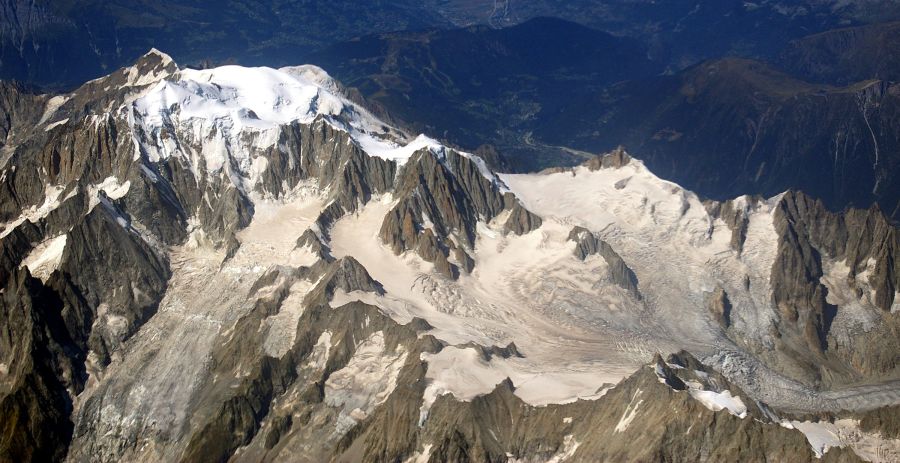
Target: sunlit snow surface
{"points": [[577, 331], [232, 113], [45, 257]]}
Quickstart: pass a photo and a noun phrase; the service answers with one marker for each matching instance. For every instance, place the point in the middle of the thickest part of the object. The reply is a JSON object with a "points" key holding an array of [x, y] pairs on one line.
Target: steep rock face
{"points": [[441, 197], [321, 152], [106, 285], [799, 296], [106, 248], [39, 363], [18, 110], [866, 243]]}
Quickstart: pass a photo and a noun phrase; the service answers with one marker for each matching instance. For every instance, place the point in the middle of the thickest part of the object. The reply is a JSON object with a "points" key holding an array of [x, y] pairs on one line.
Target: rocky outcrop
{"points": [[40, 365], [884, 421], [867, 243], [487, 353], [311, 241], [521, 220], [735, 214], [441, 197], [348, 275], [614, 159], [720, 307], [587, 243], [19, 110]]}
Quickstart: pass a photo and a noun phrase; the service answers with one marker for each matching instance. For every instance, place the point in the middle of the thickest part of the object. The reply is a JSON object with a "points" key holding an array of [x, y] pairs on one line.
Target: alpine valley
{"points": [[246, 264]]}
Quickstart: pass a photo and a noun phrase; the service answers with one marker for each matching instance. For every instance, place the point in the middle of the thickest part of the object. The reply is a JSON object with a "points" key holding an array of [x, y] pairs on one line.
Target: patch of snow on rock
{"points": [[111, 187], [282, 327], [630, 412], [570, 445], [320, 351], [52, 200], [716, 401], [46, 257]]}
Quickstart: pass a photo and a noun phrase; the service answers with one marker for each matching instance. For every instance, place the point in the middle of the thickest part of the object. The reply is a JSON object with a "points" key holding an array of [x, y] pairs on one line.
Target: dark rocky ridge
{"points": [[18, 110], [43, 362], [72, 313], [720, 307], [451, 194], [846, 55], [807, 233], [809, 236], [586, 244]]}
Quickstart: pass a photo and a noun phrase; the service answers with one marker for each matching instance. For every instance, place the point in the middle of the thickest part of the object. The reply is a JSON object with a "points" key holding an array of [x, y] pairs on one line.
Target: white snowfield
{"points": [[235, 112], [579, 333]]}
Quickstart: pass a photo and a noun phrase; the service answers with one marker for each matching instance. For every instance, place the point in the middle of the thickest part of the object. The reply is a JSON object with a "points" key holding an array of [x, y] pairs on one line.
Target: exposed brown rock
{"points": [[613, 160], [884, 421], [720, 307], [521, 220]]}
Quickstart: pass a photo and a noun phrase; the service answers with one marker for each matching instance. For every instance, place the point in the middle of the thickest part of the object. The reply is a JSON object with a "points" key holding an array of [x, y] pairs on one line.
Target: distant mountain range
{"points": [[734, 125], [62, 43], [59, 44], [481, 85]]}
